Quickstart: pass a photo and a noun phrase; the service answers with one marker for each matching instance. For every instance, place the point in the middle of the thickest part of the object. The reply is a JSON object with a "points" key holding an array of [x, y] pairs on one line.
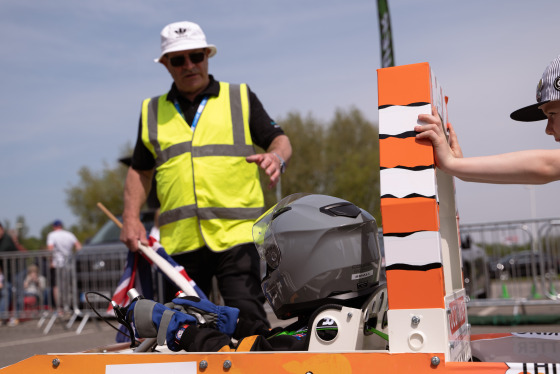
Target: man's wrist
{"points": [[282, 162]]}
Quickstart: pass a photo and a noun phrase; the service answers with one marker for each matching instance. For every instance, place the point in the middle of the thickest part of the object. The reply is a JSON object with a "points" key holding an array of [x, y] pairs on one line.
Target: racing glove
{"points": [[154, 320], [221, 318]]}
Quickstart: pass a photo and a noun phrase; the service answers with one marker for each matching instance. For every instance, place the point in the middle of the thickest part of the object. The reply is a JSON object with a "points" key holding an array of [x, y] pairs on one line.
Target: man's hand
{"points": [[270, 163], [133, 231]]}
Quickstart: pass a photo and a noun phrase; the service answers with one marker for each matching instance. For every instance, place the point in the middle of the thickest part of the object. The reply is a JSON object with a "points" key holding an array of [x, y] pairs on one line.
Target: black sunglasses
{"points": [[195, 57]]}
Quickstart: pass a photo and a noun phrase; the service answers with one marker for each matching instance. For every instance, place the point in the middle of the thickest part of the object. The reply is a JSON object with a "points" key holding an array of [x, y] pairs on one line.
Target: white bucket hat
{"points": [[548, 89], [182, 36]]}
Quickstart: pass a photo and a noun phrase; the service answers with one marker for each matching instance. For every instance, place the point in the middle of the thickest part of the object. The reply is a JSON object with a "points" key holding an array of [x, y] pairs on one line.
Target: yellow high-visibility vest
{"points": [[209, 194]]}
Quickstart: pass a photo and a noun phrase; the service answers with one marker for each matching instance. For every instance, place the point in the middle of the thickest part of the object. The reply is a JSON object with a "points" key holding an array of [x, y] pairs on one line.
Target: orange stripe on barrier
{"points": [[408, 215], [403, 85], [404, 152], [415, 289]]}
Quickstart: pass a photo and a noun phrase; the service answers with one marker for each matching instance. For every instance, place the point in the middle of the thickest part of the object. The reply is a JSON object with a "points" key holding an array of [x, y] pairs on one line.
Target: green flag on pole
{"points": [[385, 35]]}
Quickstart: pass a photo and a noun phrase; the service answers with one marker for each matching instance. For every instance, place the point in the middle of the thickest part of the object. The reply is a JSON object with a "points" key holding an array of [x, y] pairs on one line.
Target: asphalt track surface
{"points": [[27, 339]]}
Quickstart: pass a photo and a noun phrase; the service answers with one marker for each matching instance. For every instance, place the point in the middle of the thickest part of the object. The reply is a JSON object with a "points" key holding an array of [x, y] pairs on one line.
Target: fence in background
{"points": [[89, 270], [522, 260], [513, 263], [18, 302]]}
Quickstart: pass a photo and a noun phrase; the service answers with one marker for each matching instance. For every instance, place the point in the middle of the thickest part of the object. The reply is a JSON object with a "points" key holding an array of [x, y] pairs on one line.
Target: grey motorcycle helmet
{"points": [[318, 250]]}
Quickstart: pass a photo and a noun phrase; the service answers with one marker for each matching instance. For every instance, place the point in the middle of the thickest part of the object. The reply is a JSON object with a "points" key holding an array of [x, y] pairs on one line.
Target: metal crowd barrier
{"points": [[523, 260], [16, 302], [521, 267], [91, 270]]}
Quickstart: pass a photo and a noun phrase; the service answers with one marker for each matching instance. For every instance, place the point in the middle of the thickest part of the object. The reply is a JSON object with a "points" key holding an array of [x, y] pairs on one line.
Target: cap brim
{"points": [[530, 113]]}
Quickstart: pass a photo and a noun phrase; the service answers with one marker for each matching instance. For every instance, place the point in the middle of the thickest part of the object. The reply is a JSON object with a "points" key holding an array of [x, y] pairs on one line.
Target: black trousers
{"points": [[238, 273]]}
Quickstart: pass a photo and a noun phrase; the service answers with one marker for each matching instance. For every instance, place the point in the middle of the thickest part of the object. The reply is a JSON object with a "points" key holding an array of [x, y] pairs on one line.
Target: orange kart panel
{"points": [[289, 362]]}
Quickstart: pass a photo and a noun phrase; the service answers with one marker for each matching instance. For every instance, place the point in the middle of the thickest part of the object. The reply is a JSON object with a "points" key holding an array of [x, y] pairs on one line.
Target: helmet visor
{"points": [[262, 234]]}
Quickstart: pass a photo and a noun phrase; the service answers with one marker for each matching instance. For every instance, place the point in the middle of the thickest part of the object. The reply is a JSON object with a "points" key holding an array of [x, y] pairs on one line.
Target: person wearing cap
{"points": [[198, 139], [521, 167], [62, 243]]}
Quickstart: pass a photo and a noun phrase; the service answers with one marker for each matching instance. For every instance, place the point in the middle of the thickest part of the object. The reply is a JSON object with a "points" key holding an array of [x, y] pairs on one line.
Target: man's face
{"points": [[191, 78], [552, 112]]}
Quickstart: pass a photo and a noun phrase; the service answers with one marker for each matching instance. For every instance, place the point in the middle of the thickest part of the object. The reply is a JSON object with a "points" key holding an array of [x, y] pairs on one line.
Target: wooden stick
{"points": [[161, 263], [110, 215]]}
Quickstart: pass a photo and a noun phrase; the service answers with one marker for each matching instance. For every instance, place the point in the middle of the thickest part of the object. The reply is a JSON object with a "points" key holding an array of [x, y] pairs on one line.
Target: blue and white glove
{"points": [[154, 320], [221, 318]]}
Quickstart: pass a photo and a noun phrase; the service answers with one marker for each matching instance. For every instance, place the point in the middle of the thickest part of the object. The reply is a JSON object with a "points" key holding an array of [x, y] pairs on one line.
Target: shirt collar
{"points": [[213, 89]]}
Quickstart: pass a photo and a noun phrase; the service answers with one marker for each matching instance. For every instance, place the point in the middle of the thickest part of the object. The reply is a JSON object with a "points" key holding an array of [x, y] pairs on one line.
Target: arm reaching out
{"points": [[522, 167]]}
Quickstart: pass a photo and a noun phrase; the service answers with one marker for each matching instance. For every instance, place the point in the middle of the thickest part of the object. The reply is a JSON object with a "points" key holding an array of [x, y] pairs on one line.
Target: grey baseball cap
{"points": [[548, 89]]}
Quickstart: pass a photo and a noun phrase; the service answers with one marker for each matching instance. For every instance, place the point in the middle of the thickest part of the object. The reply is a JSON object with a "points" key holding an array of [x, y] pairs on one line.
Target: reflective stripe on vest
{"points": [[195, 216]]}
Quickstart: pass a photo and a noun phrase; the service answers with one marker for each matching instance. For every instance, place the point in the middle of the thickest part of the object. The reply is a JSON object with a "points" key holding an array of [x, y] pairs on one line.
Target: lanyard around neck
{"points": [[198, 111]]}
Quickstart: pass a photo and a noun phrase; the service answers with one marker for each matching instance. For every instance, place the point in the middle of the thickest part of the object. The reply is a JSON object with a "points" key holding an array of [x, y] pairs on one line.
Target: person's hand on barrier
{"points": [[221, 318], [154, 320], [454, 142], [432, 130]]}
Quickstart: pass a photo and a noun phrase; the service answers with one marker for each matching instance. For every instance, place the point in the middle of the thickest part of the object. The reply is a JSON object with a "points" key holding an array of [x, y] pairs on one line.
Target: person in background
{"points": [[14, 235], [34, 286], [6, 241], [199, 139], [521, 167], [6, 245], [62, 243]]}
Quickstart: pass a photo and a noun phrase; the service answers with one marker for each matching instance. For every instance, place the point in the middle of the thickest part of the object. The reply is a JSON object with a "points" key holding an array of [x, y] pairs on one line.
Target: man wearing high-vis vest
{"points": [[199, 141]]}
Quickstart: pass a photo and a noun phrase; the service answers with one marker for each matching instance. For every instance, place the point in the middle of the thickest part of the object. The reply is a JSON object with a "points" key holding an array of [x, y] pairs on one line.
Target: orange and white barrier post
{"points": [[427, 306]]}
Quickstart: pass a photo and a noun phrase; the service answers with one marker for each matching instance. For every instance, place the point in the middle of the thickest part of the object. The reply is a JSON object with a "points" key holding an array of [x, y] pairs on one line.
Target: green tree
{"points": [[352, 161], [105, 186], [340, 159], [22, 232], [305, 169]]}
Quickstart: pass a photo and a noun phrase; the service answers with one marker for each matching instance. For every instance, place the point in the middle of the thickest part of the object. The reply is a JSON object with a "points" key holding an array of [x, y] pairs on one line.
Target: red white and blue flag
{"points": [[138, 274]]}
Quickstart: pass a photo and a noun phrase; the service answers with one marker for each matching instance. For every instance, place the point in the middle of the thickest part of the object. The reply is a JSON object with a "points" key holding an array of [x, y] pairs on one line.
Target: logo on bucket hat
{"points": [[183, 36], [548, 89]]}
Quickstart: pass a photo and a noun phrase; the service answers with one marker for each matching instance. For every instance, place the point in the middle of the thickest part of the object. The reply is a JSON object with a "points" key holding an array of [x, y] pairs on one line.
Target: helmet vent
{"points": [[280, 211], [341, 209]]}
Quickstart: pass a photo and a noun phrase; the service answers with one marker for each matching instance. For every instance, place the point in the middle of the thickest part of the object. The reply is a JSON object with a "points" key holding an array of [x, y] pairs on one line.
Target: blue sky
{"points": [[73, 75]]}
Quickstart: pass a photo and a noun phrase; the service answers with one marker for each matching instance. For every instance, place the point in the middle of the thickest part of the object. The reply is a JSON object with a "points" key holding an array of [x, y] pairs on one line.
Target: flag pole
{"points": [[160, 262], [385, 34]]}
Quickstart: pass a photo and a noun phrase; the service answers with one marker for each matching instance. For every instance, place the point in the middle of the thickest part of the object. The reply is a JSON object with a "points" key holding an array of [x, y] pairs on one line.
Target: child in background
{"points": [[34, 287]]}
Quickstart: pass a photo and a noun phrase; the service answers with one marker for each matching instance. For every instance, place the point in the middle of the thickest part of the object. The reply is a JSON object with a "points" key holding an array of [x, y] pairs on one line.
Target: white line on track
{"points": [[44, 338], [487, 311]]}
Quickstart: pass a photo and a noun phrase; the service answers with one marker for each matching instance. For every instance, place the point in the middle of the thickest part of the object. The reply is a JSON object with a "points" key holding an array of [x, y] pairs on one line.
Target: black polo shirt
{"points": [[263, 128]]}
